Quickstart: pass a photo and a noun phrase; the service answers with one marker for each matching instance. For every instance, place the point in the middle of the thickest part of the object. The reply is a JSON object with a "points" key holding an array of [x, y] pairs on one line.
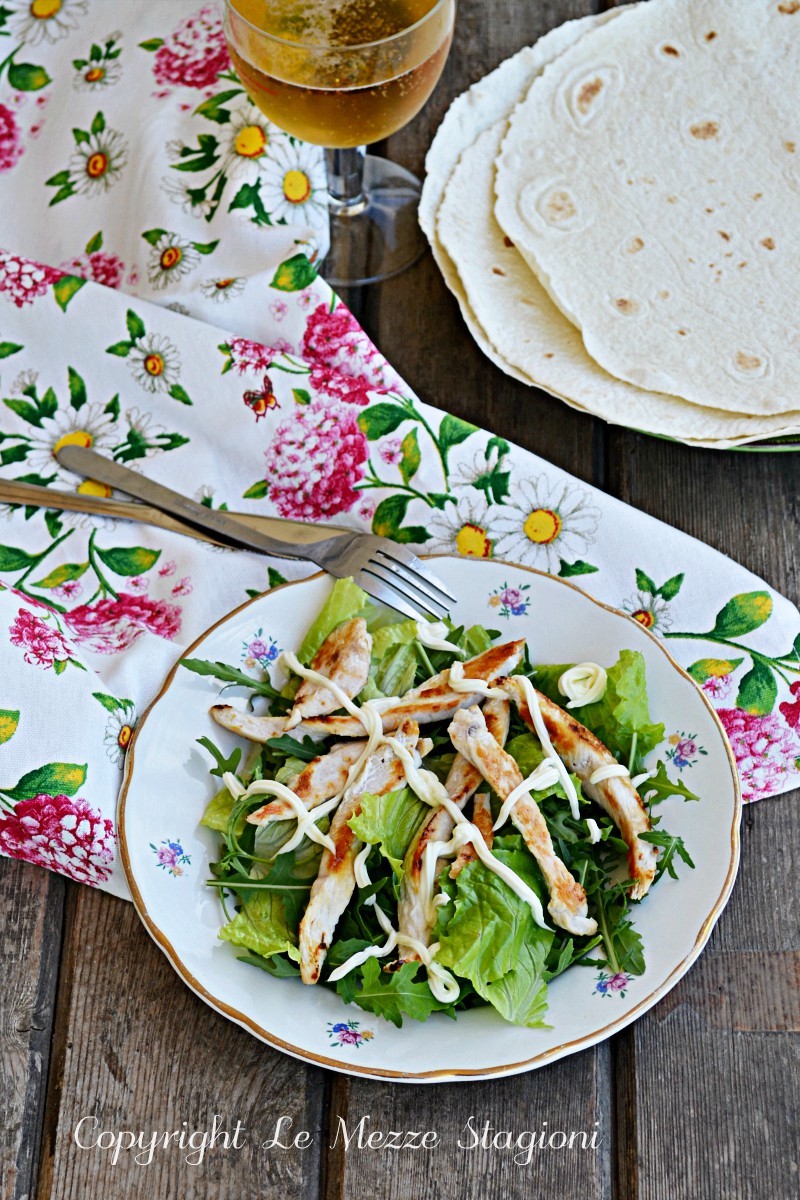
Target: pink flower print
{"points": [[280, 346], [249, 356], [352, 389], [791, 710], [279, 309], [765, 750], [366, 510], [171, 856], [304, 301], [139, 583], [183, 587], [11, 148], [336, 340], [109, 626], [61, 833], [195, 53], [315, 460], [69, 590], [44, 645], [391, 451], [107, 269], [22, 280], [718, 687], [168, 568]]}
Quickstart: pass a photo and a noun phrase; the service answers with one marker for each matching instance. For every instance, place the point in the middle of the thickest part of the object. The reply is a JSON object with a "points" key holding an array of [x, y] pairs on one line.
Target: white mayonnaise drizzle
{"points": [[360, 867], [583, 684], [306, 818], [425, 785], [532, 701], [608, 771], [545, 775], [638, 780], [433, 635], [458, 682], [594, 830]]}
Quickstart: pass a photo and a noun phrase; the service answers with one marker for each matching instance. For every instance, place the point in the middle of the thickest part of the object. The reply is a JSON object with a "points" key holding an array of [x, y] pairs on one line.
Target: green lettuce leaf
{"points": [[621, 717], [390, 822], [346, 600], [487, 934], [261, 926], [218, 812]]}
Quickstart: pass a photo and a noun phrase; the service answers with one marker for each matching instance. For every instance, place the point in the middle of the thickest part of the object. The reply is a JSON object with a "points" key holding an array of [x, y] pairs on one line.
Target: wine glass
{"points": [[340, 74]]}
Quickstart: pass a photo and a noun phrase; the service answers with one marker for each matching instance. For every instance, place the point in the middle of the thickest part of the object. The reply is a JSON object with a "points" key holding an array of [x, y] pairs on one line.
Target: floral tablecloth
{"points": [[138, 186]]}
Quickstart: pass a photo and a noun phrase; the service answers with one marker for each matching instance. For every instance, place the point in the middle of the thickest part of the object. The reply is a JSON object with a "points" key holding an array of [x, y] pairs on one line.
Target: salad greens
{"points": [[487, 936]]}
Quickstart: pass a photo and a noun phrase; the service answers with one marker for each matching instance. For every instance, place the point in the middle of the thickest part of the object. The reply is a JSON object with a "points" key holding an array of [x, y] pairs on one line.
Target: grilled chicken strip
{"points": [[333, 887], [323, 778], [414, 916], [482, 817], [471, 738], [582, 753], [344, 659], [255, 729], [433, 700]]}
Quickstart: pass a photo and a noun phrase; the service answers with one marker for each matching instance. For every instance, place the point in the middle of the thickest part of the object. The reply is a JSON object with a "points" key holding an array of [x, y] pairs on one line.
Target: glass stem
{"points": [[346, 180]]}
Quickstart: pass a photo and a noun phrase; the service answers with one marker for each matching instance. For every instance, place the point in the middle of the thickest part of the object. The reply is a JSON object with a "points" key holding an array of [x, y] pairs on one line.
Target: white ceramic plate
{"points": [[166, 854]]}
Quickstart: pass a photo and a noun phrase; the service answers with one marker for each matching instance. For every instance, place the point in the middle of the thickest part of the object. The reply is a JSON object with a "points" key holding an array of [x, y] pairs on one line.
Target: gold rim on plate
{"points": [[586, 1040]]}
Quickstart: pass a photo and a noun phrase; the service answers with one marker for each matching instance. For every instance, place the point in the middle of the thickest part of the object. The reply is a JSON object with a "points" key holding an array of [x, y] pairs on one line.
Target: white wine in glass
{"points": [[343, 73]]}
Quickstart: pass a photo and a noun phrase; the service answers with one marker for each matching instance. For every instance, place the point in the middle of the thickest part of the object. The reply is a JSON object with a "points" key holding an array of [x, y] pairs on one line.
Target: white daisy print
{"points": [[293, 183], [461, 528], [96, 76], [483, 463], [35, 21], [98, 162], [649, 610], [118, 734], [87, 426], [155, 363], [543, 523], [25, 379], [171, 258], [178, 193], [245, 141], [222, 290]]}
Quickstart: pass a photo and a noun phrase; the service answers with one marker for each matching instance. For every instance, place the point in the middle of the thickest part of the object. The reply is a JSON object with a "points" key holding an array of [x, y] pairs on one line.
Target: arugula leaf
{"points": [[390, 822], [395, 994], [660, 787], [223, 764], [622, 945], [346, 600], [289, 747], [671, 845], [230, 675], [621, 717], [261, 926], [279, 965]]}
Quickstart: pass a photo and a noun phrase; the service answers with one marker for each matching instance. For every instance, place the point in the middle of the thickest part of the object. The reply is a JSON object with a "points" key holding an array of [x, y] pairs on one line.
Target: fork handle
{"points": [[92, 465]]}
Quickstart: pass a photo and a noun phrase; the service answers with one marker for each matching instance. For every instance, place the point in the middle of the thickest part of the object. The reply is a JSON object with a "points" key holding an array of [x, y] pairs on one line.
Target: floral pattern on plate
{"points": [[348, 1033]]}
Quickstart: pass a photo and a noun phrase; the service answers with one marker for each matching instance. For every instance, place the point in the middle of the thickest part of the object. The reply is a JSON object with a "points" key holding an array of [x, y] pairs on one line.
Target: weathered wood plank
{"points": [[136, 1050], [31, 901]]}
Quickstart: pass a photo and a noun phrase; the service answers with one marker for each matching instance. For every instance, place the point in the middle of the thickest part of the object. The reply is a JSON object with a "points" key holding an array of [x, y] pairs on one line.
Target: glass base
{"points": [[378, 235]]}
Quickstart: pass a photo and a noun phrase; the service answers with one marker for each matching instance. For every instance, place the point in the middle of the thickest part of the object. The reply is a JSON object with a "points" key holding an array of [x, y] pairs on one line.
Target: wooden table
{"points": [[693, 1102]]}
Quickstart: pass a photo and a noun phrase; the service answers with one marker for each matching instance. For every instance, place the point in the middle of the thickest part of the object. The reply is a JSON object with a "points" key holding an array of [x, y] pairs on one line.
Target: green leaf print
{"points": [[77, 389], [111, 703], [670, 589], [98, 124], [128, 561], [213, 110], [275, 578], [14, 559], [387, 521], [180, 394], [136, 326], [579, 567], [256, 491], [205, 247], [13, 454], [94, 244], [294, 274], [713, 668], [378, 420], [452, 432], [644, 583], [152, 44], [301, 396], [742, 614], [249, 196], [121, 349], [758, 690], [53, 779], [412, 458], [28, 412], [9, 720], [25, 77], [67, 287], [62, 574], [9, 348], [153, 235]]}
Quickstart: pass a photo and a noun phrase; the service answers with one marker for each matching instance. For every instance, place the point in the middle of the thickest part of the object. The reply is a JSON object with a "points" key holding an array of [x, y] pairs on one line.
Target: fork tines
{"points": [[405, 583]]}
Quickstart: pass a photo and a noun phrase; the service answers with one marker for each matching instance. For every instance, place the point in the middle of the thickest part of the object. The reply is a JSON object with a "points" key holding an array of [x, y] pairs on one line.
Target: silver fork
{"points": [[385, 570]]}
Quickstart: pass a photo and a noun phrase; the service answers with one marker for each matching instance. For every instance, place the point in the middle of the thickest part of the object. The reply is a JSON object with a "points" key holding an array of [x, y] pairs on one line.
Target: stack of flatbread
{"points": [[617, 210]]}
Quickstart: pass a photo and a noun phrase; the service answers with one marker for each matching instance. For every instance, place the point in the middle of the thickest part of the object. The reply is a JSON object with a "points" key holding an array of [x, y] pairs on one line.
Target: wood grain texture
{"points": [[31, 903], [137, 1050]]}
